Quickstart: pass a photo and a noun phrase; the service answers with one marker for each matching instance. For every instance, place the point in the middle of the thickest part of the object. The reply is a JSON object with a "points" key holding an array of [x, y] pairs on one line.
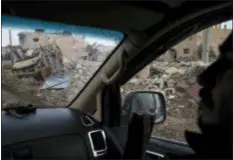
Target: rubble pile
{"points": [[16, 89], [42, 59], [173, 80], [31, 67], [54, 98], [28, 69], [79, 76]]}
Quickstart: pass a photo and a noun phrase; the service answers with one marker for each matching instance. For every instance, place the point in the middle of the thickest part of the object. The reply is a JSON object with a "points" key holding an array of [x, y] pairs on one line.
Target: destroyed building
{"points": [[174, 80], [174, 73], [188, 48], [32, 40], [71, 46], [37, 50], [98, 52], [40, 55]]}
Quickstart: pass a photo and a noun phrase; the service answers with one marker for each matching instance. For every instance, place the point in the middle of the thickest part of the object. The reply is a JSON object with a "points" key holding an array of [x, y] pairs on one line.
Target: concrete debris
{"points": [[24, 71], [25, 64], [171, 97], [181, 106], [29, 53], [38, 63], [60, 97], [28, 73], [135, 81], [173, 79], [169, 91], [84, 70]]}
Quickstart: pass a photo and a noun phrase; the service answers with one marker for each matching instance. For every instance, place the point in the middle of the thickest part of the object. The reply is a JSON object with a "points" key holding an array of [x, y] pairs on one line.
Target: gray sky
{"points": [[14, 33]]}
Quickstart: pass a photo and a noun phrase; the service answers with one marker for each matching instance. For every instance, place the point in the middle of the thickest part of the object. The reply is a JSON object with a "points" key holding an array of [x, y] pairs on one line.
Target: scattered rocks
{"points": [[83, 71], [51, 61], [174, 80]]}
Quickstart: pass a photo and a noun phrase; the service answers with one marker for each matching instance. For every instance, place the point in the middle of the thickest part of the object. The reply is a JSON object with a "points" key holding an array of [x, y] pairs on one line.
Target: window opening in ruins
{"points": [[36, 39], [51, 71], [177, 80], [186, 50], [173, 53], [21, 38]]}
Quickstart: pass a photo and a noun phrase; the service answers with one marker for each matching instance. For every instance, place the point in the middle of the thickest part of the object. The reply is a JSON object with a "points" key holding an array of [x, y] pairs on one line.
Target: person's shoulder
{"points": [[226, 46]]}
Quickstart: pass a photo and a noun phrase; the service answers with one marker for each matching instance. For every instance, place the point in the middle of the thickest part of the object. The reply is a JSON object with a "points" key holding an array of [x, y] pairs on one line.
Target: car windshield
{"points": [[47, 64]]}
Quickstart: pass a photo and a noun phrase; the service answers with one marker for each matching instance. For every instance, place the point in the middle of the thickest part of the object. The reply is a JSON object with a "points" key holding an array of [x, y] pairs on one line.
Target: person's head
{"points": [[215, 108], [216, 103]]}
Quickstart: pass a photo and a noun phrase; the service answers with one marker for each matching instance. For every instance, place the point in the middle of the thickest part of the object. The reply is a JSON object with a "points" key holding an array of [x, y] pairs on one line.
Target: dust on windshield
{"points": [[48, 64]]}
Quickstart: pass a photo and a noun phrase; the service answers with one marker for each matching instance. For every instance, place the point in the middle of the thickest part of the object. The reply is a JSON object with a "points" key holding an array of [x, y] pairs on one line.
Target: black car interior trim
{"points": [[87, 121], [155, 153]]}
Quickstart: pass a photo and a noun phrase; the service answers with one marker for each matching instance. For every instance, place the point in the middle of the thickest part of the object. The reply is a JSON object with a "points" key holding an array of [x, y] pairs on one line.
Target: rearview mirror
{"points": [[148, 102]]}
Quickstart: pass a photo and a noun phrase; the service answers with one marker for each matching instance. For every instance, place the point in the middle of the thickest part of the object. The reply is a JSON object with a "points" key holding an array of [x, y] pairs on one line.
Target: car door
{"points": [[179, 86], [167, 148]]}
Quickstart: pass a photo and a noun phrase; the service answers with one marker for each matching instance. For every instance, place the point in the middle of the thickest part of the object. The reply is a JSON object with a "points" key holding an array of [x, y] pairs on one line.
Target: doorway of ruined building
{"points": [[173, 54]]}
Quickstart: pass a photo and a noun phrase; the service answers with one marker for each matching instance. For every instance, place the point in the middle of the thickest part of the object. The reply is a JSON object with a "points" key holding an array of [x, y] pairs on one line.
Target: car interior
{"points": [[90, 126]]}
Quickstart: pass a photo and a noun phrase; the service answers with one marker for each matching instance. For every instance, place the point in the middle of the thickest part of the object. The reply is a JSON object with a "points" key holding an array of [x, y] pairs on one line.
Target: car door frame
{"points": [[196, 24]]}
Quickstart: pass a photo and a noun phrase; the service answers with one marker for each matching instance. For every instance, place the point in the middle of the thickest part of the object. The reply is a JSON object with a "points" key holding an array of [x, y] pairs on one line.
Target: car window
{"points": [[47, 64], [174, 74]]}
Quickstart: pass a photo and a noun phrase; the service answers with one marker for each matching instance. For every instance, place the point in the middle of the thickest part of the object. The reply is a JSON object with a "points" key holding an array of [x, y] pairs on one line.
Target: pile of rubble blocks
{"points": [[173, 79]]}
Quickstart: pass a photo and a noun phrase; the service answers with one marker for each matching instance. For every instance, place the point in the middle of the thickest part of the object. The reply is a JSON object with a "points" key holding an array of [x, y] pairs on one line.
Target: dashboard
{"points": [[53, 133], [64, 133]]}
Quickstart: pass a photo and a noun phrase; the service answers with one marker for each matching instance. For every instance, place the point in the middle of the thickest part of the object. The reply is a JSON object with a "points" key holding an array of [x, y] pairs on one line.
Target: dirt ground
{"points": [[27, 91], [178, 119]]}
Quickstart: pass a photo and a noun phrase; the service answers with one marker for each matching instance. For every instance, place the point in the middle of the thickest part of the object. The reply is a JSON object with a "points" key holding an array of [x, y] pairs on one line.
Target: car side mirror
{"points": [[147, 102]]}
